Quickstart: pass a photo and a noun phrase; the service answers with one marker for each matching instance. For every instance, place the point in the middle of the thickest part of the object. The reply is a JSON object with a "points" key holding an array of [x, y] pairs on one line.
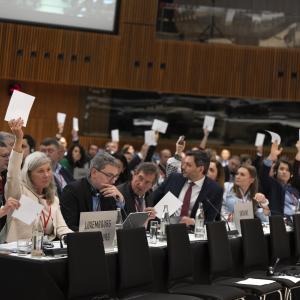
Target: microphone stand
{"points": [[231, 233]]}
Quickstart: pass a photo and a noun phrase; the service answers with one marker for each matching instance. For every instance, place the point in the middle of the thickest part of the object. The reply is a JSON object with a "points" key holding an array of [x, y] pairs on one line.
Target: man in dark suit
{"points": [[62, 176], [4, 157], [93, 193], [136, 190], [193, 181]]}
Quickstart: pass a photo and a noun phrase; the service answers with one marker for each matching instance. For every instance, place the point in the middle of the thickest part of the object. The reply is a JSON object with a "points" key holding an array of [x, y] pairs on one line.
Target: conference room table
{"points": [[47, 278]]}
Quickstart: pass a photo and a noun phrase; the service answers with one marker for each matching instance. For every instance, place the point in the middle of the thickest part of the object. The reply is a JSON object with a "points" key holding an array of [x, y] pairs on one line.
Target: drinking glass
{"points": [[153, 232]]}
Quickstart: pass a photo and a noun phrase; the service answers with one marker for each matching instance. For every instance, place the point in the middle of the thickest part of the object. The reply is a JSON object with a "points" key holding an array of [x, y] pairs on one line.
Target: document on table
{"points": [[291, 278], [255, 281], [19, 106], [28, 210], [173, 205]]}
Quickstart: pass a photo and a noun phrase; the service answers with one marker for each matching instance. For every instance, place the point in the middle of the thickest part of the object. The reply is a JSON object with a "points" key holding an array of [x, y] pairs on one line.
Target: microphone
{"points": [[271, 269], [231, 233]]}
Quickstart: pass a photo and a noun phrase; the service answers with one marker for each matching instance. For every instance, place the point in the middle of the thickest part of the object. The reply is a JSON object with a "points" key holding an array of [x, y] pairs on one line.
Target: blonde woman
{"points": [[35, 180]]}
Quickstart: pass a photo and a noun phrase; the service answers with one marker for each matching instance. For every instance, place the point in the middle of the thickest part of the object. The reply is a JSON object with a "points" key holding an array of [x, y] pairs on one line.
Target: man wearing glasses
{"points": [[96, 192]]}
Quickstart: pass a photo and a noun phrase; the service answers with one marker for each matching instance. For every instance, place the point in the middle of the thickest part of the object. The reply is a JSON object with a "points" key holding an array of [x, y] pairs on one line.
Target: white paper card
{"points": [[291, 278], [28, 210], [209, 123], [242, 210], [259, 141], [173, 205], [19, 106], [61, 117], [75, 124], [159, 126], [115, 135], [255, 281], [150, 138], [104, 221], [275, 137]]}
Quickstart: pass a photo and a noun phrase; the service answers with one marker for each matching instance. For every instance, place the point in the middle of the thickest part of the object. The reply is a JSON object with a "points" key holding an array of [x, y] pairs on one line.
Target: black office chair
{"points": [[256, 255], [135, 267], [296, 224], [221, 263], [87, 269], [180, 266], [280, 248]]}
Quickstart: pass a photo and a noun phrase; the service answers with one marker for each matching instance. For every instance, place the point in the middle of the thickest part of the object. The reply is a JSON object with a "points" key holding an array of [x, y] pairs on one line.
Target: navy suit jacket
{"points": [[77, 197], [210, 191]]}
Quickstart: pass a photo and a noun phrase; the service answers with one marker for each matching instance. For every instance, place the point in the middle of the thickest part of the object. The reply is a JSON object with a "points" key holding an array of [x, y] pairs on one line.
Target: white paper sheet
{"points": [[259, 141], [291, 278], [275, 137], [115, 135], [255, 281], [28, 210], [150, 137], [159, 126], [75, 124], [61, 118], [173, 205], [19, 106], [209, 123]]}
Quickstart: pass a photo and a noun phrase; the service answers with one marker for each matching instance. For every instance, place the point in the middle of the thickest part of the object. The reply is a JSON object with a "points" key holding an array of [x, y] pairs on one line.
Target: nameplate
{"points": [[104, 221], [242, 210]]}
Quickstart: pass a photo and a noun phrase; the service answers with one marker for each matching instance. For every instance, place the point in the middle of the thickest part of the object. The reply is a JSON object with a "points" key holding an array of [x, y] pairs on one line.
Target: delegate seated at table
{"points": [[35, 180]]}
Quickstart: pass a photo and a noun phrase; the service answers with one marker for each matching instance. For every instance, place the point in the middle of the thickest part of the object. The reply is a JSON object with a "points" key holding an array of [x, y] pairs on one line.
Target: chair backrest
{"points": [[296, 222], [87, 268], [219, 247], [135, 265], [255, 249], [279, 239], [180, 263]]}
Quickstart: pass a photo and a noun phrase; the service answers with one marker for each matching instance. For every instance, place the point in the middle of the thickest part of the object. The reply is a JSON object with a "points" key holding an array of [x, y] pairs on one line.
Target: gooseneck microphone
{"points": [[271, 269], [231, 233]]}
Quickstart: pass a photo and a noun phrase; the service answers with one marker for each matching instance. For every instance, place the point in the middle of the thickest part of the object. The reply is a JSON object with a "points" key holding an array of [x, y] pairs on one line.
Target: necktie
{"points": [[139, 204], [186, 201]]}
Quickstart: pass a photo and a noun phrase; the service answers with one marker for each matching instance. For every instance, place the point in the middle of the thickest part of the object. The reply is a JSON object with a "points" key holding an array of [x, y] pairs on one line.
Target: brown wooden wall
{"points": [[54, 65]]}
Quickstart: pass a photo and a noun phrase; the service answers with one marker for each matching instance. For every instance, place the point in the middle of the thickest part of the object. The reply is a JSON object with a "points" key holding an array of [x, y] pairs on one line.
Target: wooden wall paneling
{"points": [[175, 64], [138, 49], [139, 11], [294, 68]]}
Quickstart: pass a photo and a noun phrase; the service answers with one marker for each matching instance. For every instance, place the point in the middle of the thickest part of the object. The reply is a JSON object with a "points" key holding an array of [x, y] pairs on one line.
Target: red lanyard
{"points": [[45, 222]]}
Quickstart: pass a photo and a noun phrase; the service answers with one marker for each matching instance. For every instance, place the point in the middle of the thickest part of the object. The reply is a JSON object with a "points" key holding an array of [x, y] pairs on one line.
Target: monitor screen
{"points": [[84, 14]]}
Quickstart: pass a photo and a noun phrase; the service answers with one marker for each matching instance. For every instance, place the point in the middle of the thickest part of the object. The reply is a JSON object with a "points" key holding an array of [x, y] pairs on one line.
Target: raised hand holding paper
{"points": [[259, 141], [159, 126], [19, 107], [61, 117], [115, 135], [209, 123], [75, 124], [173, 205], [275, 137]]}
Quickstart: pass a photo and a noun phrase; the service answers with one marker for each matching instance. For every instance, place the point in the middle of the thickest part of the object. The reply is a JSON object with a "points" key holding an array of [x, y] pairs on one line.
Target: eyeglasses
{"points": [[5, 155], [109, 175]]}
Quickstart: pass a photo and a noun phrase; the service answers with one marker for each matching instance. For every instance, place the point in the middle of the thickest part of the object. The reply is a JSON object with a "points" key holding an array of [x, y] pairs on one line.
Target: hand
{"points": [[109, 190], [60, 127], [16, 128], [205, 132], [275, 151], [151, 212], [10, 205], [180, 147], [260, 198], [259, 150], [74, 135], [187, 221], [144, 150]]}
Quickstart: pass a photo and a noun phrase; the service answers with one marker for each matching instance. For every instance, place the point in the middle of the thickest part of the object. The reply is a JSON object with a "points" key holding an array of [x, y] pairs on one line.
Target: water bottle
{"points": [[37, 238], [165, 220], [119, 225], [200, 230]]}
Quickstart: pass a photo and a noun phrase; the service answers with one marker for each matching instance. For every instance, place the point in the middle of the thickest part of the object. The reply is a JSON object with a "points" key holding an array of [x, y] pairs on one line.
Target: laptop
{"points": [[135, 220]]}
